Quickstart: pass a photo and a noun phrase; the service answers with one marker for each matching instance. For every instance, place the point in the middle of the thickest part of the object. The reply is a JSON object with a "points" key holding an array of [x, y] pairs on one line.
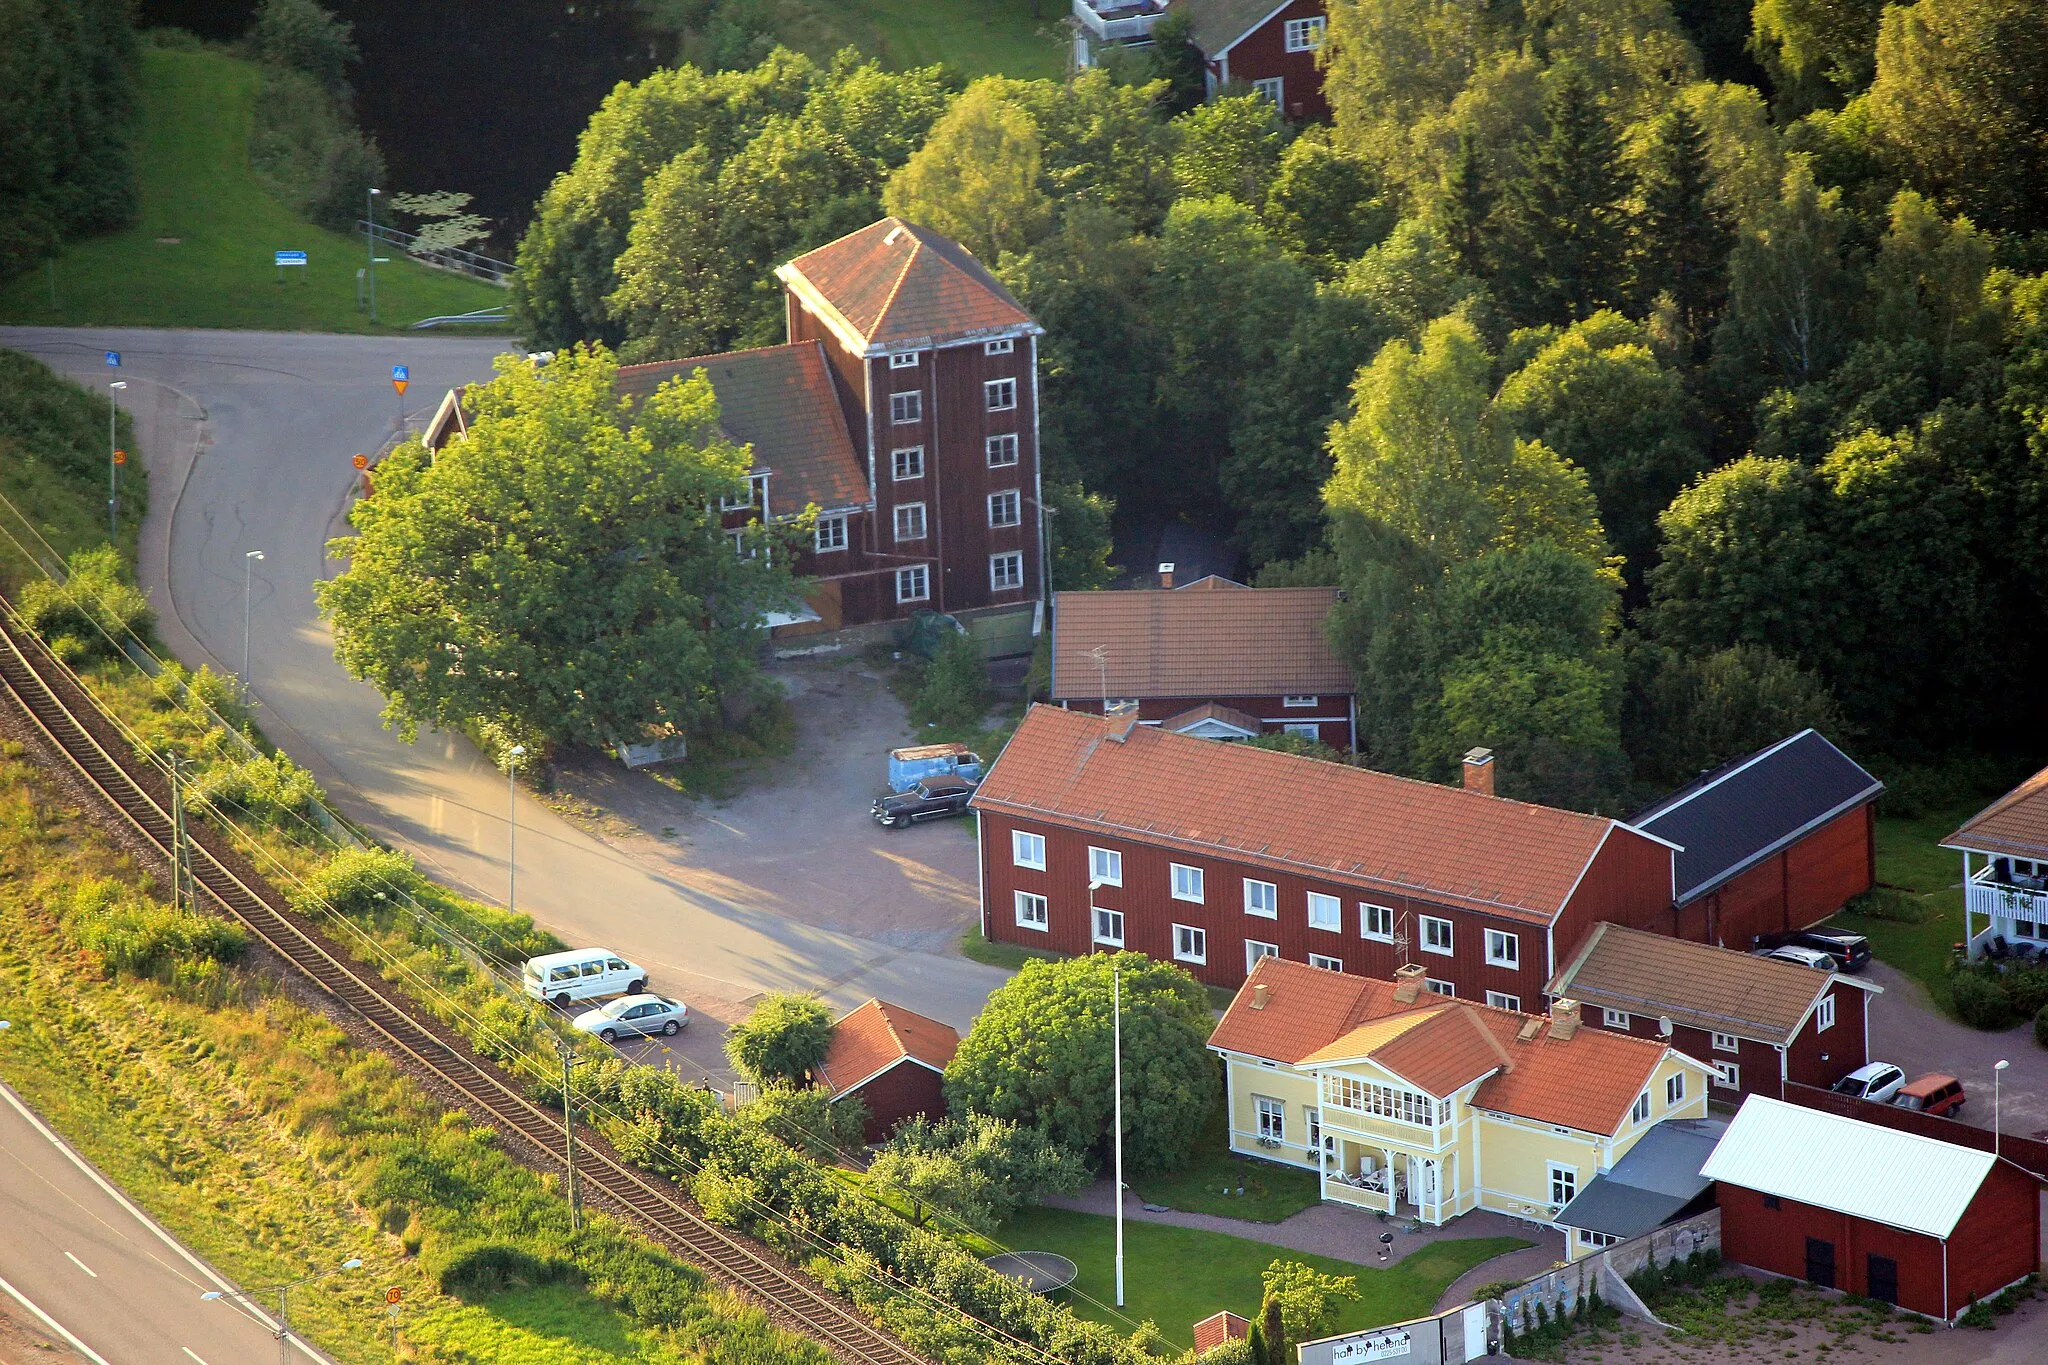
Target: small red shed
{"points": [[893, 1060], [1926, 1225], [1218, 1328]]}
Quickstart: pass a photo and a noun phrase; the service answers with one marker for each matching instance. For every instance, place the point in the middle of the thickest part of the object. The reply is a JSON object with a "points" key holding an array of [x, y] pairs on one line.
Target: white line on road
{"points": [[81, 1265], [55, 1326], [194, 1354]]}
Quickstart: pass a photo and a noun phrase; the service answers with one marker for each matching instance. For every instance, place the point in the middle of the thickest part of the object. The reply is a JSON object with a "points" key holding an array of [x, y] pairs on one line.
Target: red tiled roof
{"points": [[1367, 829], [2016, 824], [780, 401], [1587, 1081], [876, 1036], [893, 282], [1196, 641]]}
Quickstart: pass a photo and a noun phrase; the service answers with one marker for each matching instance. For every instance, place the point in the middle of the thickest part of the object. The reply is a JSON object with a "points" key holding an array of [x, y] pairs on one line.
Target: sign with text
{"points": [[285, 258], [1387, 1344]]}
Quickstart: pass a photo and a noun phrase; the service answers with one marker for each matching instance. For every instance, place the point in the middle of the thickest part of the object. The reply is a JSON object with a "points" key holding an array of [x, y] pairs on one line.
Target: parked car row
{"points": [[1883, 1083], [569, 978], [1828, 950]]}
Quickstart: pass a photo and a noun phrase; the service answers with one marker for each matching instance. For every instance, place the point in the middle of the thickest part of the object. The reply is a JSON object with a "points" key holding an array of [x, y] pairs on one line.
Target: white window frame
{"points": [[1005, 500], [1441, 987], [1108, 927], [738, 536], [1501, 1000], [1190, 943], [906, 408], [1325, 962], [1503, 949], [1274, 88], [1674, 1090], [903, 360], [1332, 921], [1269, 898], [1105, 865], [914, 584], [1186, 887], [1620, 1019], [1727, 1075], [1306, 729], [1032, 912], [1000, 346], [1027, 850], [1254, 950], [1563, 1180], [1824, 1017], [1300, 700], [1725, 1042], [1596, 1240], [1002, 450], [830, 533], [1272, 1118], [1367, 914], [1304, 35], [999, 395], [919, 525], [1431, 926], [1639, 1112], [1006, 571], [902, 469], [757, 492]]}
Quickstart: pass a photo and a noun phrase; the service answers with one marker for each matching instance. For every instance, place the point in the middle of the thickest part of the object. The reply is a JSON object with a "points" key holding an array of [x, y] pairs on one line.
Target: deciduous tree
{"points": [[1231, 147], [976, 178], [783, 1039]]}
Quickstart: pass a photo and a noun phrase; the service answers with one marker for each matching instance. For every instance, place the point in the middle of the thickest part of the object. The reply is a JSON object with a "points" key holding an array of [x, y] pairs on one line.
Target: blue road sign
{"points": [[114, 359], [399, 374], [291, 258]]}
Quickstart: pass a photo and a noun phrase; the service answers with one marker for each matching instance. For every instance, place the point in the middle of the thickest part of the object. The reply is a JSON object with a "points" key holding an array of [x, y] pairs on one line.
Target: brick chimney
{"points": [[1408, 982], [1261, 993], [1166, 574], [1479, 771], [1564, 1019], [1123, 719]]}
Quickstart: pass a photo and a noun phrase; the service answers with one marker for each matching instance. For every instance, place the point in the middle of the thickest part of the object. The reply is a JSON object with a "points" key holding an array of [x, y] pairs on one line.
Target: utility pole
{"points": [[249, 561], [370, 236], [113, 466], [183, 894], [568, 1051], [512, 757], [1116, 996]]}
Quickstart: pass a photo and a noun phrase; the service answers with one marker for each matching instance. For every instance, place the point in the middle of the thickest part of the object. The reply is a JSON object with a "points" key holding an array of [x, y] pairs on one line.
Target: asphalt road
{"points": [[247, 438], [84, 1266]]}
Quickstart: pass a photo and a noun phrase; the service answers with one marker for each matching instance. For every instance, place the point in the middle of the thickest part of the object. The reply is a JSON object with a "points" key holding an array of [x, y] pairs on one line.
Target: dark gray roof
{"points": [[1744, 811], [1651, 1184]]}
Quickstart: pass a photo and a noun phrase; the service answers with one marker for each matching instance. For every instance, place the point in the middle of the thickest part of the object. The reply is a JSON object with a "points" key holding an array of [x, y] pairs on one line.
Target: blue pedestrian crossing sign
{"points": [[114, 359], [291, 258], [399, 374]]}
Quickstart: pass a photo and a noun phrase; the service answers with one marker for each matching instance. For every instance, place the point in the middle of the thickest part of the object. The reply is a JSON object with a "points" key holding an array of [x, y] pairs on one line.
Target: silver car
{"points": [[633, 1016]]}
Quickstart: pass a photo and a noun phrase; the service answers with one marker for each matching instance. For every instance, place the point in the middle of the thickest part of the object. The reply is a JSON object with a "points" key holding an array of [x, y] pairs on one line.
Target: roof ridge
{"points": [[645, 365], [916, 245], [1493, 1044]]}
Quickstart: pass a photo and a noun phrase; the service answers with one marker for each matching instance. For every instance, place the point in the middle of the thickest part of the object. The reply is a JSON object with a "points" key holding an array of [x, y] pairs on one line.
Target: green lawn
{"points": [[979, 37], [1271, 1191], [1178, 1276], [1910, 858], [199, 254], [1008, 956]]}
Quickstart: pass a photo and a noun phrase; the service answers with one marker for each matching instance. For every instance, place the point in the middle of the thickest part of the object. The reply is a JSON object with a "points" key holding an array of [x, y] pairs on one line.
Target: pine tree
{"points": [[1468, 206], [1564, 244], [1681, 240]]}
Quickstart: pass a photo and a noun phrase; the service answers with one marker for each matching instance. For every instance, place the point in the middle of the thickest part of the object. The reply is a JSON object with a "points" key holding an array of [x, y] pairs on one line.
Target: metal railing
{"points": [[1114, 21], [454, 258]]}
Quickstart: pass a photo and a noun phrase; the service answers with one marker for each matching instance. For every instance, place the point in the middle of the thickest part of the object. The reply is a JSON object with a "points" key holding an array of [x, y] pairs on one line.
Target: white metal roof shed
{"points": [[1880, 1174]]}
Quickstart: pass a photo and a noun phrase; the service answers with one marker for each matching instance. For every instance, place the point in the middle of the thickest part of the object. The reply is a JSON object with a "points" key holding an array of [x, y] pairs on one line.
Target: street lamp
{"points": [[370, 236], [512, 756], [284, 1326], [249, 563], [113, 465], [1116, 997], [1997, 1071]]}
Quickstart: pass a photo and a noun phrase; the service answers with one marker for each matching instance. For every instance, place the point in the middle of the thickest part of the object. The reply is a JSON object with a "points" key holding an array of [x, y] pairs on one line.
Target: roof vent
{"points": [[1408, 982], [1564, 1019], [894, 233], [1529, 1031], [1261, 993]]}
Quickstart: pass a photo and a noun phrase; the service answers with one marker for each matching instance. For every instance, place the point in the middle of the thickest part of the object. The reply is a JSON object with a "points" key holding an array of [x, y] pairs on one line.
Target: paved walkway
{"points": [[1349, 1234]]}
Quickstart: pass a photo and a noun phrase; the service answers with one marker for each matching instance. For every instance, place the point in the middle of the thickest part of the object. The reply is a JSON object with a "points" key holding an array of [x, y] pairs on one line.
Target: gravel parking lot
{"points": [[1907, 1030]]}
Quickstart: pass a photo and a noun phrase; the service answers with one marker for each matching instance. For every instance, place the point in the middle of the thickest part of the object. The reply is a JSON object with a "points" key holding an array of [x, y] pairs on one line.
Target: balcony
{"points": [[1119, 21], [2012, 909]]}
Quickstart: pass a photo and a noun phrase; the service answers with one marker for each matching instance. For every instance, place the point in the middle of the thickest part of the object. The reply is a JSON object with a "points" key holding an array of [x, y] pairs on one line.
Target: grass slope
{"points": [[1178, 1276], [1018, 38], [197, 188], [53, 469]]}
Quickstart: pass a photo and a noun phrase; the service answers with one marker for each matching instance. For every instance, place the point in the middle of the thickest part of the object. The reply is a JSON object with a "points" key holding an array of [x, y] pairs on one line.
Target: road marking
{"points": [[194, 1354], [55, 1326], [81, 1265]]}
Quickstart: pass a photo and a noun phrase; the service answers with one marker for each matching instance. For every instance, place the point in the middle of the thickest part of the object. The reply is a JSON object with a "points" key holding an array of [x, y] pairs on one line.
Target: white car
{"points": [[1803, 957], [1879, 1081], [634, 1016]]}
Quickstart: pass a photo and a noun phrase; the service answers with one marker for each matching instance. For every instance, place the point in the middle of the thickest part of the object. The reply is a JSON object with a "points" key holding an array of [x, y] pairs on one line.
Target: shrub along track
{"points": [[66, 718]]}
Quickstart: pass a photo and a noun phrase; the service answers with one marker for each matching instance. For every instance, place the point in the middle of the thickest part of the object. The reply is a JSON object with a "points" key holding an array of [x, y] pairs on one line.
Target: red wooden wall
{"points": [[903, 1090], [1263, 53]]}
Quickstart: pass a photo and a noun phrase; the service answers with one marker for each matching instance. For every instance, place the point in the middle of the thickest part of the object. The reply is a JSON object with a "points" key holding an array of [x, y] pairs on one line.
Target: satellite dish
{"points": [[1664, 1027]]}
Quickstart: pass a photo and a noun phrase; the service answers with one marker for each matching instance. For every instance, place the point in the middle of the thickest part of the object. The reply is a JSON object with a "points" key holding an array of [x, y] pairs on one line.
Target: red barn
{"points": [[1270, 47], [1759, 1023], [1778, 840], [1926, 1225], [1102, 832], [892, 1060]]}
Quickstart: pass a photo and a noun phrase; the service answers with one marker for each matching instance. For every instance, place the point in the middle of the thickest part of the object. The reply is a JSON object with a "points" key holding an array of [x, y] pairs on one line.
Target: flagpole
{"points": [[1117, 1033]]}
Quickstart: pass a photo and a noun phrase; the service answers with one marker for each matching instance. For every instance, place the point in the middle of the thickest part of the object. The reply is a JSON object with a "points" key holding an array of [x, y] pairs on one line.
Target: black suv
{"points": [[933, 798], [1851, 952]]}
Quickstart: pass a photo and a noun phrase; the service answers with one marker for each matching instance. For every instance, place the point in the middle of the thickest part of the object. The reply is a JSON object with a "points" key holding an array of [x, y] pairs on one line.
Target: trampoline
{"points": [[1041, 1272]]}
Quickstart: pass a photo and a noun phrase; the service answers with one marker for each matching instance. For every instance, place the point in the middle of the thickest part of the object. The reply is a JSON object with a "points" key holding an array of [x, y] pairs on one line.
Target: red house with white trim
{"points": [[891, 1059], [1270, 47]]}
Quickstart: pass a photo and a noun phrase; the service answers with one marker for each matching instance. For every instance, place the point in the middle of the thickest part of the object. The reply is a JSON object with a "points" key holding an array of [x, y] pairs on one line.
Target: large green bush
{"points": [[1981, 999], [783, 1040], [92, 612], [268, 790], [151, 940], [955, 690]]}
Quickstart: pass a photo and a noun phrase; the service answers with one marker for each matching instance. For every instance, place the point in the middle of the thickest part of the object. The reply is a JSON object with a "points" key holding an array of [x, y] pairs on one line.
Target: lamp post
{"points": [[370, 236], [113, 466], [1116, 1014], [1997, 1071], [249, 563], [512, 756], [284, 1291]]}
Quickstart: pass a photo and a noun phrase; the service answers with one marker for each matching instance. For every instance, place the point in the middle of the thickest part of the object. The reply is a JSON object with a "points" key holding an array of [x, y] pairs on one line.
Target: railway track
{"points": [[72, 722]]}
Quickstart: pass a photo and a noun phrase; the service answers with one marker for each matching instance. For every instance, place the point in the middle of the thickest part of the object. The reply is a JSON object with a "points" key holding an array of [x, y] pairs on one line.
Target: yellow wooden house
{"points": [[1425, 1106]]}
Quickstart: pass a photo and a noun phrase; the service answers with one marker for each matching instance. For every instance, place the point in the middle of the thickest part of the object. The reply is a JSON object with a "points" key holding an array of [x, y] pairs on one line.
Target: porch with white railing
{"points": [[1119, 21], [2002, 907]]}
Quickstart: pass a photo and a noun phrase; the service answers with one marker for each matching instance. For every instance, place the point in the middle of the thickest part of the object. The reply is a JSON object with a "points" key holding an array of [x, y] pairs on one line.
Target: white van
{"points": [[581, 974]]}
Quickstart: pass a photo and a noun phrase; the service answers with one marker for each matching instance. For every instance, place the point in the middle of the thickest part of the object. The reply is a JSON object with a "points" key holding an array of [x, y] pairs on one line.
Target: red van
{"points": [[1932, 1094]]}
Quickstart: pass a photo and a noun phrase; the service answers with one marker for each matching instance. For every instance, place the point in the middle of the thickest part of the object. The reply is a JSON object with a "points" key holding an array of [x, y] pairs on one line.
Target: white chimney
{"points": [[1166, 574]]}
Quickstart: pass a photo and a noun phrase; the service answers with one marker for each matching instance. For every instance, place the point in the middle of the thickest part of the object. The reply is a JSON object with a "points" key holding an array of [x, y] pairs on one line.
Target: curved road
{"points": [[247, 438]]}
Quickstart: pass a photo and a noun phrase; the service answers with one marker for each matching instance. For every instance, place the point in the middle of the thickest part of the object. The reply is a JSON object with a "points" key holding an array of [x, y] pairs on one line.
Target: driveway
{"points": [[247, 438], [1907, 1029]]}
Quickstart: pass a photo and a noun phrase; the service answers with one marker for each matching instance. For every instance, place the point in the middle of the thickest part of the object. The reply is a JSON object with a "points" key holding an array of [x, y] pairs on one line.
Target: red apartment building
{"points": [[904, 408], [1104, 833]]}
